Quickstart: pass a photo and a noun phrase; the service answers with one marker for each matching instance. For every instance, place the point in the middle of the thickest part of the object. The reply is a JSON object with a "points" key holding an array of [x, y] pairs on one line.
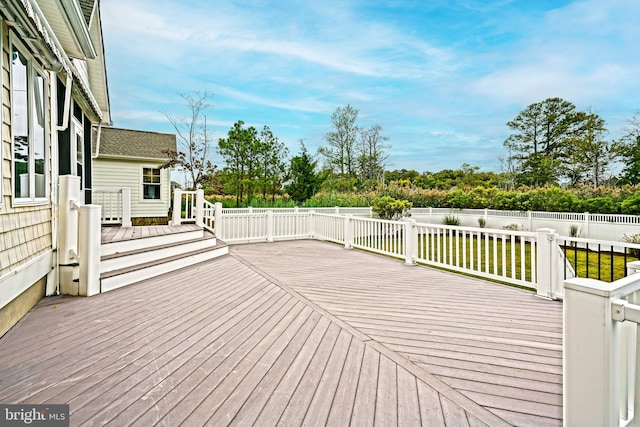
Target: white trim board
{"points": [[16, 282]]}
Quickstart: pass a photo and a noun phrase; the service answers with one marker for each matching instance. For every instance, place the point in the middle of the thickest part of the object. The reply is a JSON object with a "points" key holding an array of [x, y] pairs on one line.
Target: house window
{"points": [[151, 184], [28, 123]]}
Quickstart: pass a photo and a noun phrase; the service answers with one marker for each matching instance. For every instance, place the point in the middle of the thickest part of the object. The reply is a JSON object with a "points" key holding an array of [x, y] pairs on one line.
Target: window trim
{"points": [[142, 184], [33, 70], [77, 130]]}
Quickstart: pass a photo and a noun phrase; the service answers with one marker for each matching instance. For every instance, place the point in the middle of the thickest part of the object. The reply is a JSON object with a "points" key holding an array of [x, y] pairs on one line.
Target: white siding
{"points": [[111, 173]]}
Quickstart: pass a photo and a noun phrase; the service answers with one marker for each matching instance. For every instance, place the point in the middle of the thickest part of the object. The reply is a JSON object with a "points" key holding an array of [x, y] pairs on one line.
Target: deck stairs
{"points": [[125, 262]]}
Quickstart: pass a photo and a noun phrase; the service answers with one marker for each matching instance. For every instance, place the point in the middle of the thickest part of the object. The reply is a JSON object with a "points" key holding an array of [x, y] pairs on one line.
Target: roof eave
{"points": [[75, 18], [132, 158]]}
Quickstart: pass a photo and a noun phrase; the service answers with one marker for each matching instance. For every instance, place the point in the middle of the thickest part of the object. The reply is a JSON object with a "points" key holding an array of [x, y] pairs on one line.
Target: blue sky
{"points": [[442, 77]]}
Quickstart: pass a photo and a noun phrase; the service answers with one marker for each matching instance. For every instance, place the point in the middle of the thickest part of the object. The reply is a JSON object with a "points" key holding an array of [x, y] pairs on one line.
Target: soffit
{"points": [[52, 10]]}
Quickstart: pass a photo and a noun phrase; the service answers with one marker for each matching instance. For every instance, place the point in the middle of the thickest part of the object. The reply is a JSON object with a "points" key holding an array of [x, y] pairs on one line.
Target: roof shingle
{"points": [[133, 143]]}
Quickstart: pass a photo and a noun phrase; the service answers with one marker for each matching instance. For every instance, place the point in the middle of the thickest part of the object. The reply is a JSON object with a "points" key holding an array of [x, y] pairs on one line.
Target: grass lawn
{"points": [[487, 255]]}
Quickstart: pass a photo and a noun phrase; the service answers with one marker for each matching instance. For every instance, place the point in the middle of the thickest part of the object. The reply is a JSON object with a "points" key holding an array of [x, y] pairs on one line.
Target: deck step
{"points": [[154, 251], [118, 278], [141, 243]]}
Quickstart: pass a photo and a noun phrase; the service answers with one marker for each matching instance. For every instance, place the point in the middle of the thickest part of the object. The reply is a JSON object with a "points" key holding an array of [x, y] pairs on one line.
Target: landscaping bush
{"points": [[603, 204], [389, 208], [631, 205]]}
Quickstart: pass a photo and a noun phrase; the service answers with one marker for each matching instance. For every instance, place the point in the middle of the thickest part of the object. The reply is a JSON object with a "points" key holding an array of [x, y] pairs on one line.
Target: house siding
{"points": [[111, 173], [25, 231]]}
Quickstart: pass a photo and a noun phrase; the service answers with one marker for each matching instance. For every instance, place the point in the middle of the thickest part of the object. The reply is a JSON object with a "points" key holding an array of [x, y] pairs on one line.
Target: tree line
{"points": [[551, 143]]}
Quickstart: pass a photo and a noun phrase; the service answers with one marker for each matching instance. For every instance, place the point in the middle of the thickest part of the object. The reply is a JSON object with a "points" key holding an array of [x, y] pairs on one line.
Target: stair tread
{"points": [[185, 228], [141, 266], [206, 236]]}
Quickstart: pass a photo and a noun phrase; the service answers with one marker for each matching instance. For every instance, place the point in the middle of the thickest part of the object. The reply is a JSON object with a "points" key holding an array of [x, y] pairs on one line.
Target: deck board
{"points": [[291, 333], [116, 233], [488, 341]]}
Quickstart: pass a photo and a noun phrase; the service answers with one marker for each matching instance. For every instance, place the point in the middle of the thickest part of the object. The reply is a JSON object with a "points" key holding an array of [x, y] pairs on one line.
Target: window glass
{"points": [[28, 127], [20, 124], [151, 183], [79, 145], [38, 136]]}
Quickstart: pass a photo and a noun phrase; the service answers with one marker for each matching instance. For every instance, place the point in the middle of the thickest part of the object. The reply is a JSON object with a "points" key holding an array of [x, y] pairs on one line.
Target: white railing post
{"points": [[312, 224], [269, 226], [633, 267], [89, 250], [217, 223], [410, 242], [591, 389], [587, 215], [177, 207], [530, 220], [336, 210], [348, 231], [69, 192], [126, 207], [547, 260], [200, 207]]}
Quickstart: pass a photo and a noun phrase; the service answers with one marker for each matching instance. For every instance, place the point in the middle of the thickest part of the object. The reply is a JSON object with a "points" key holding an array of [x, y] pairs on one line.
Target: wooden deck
{"points": [[116, 233], [293, 333]]}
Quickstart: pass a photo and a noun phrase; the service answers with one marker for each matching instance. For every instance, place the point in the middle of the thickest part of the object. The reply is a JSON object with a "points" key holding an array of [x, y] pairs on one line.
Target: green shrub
{"points": [[389, 208], [631, 205], [603, 204]]}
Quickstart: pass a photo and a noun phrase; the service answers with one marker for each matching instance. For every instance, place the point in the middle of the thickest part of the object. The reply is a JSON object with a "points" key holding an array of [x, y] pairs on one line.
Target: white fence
{"points": [[590, 226], [115, 205]]}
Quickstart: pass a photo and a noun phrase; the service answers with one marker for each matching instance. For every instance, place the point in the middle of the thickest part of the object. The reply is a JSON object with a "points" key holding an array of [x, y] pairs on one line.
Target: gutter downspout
{"points": [[58, 128], [53, 277], [98, 137], [67, 105]]}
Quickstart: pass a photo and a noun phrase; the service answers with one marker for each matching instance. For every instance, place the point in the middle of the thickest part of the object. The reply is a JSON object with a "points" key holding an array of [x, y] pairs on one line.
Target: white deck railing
{"points": [[115, 204], [504, 255], [601, 363]]}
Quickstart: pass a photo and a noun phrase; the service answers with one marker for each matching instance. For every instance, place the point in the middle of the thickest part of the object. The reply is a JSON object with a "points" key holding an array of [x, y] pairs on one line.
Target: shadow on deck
{"points": [[294, 333]]}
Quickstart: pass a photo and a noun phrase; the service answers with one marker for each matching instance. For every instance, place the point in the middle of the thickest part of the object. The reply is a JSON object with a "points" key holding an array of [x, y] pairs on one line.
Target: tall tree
{"points": [[588, 155], [194, 141], [340, 154], [540, 138], [372, 154], [238, 150], [304, 181], [628, 150], [271, 156]]}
